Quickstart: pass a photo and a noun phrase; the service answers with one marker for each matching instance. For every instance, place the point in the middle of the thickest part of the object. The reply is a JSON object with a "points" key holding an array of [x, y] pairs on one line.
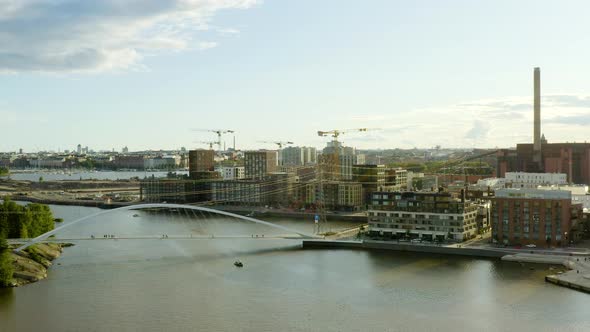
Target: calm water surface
{"points": [[152, 285]]}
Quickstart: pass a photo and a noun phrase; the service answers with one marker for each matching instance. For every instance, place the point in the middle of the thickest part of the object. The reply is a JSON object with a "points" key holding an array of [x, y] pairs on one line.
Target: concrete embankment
{"points": [[536, 258], [382, 245], [31, 265], [87, 203], [577, 278]]}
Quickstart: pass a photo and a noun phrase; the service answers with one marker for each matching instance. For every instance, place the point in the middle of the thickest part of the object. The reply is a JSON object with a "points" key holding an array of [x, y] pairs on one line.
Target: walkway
{"points": [[163, 237], [579, 276], [45, 236]]}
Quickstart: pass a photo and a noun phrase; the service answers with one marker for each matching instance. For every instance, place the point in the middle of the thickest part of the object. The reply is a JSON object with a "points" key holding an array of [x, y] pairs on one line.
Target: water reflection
{"points": [[188, 285]]}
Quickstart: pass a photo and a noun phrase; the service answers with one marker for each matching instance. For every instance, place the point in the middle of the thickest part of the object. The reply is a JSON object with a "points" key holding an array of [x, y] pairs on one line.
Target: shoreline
{"points": [[577, 278], [33, 264], [86, 203]]}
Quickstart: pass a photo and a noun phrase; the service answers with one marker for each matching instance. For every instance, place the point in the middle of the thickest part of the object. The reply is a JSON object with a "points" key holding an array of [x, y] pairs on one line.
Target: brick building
{"points": [[533, 216]]}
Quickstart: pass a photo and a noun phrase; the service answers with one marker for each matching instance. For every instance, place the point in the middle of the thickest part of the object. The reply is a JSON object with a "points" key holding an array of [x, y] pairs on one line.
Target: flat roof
{"points": [[532, 193]]}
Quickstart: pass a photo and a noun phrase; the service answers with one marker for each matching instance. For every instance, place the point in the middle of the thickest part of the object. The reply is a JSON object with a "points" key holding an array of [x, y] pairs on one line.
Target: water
{"points": [[192, 285], [84, 175]]}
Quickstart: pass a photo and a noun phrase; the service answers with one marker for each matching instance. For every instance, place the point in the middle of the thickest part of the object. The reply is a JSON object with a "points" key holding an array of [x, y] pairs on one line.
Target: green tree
{"points": [[6, 268], [18, 221], [88, 164]]}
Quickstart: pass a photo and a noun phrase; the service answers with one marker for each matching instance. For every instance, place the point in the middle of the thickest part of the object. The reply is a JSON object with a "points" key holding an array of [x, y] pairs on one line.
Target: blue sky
{"points": [[143, 73]]}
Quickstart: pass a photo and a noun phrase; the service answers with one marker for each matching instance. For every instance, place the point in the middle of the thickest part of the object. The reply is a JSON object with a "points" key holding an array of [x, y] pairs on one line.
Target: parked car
{"points": [[416, 240], [531, 246]]}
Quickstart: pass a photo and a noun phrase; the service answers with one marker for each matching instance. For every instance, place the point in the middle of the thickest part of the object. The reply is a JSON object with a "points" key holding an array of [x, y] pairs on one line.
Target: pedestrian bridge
{"points": [[46, 237]]}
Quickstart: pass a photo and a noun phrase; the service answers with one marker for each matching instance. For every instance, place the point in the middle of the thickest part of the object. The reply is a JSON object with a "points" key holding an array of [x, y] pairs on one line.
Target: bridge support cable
{"points": [[167, 207]]}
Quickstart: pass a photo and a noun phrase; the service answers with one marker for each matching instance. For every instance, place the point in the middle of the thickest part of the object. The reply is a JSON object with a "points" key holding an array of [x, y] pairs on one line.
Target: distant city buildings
{"points": [[258, 164], [129, 162], [532, 180], [343, 196], [162, 162], [231, 172], [298, 156], [200, 163]]}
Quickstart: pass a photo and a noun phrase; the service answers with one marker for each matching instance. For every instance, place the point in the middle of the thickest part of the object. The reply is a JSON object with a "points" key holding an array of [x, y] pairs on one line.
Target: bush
{"points": [[18, 221], [6, 268]]}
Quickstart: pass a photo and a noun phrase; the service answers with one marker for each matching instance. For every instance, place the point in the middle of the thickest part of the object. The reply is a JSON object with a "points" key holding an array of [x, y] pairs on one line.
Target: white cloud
{"points": [[94, 36], [207, 45], [501, 122]]}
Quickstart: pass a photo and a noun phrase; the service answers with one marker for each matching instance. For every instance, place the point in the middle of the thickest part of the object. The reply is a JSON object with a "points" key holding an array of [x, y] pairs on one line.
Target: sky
{"points": [[153, 74]]}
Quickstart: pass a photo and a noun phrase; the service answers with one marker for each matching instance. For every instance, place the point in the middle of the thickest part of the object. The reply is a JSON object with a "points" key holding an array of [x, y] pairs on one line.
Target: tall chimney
{"points": [[537, 108]]}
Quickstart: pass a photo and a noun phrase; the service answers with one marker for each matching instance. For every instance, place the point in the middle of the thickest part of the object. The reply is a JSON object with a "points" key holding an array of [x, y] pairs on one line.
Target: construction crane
{"points": [[279, 144], [337, 132], [209, 143], [329, 163], [332, 160], [219, 132]]}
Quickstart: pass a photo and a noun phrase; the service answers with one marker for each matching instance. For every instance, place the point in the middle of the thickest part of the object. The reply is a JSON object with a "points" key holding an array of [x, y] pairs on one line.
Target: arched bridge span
{"points": [[42, 237]]}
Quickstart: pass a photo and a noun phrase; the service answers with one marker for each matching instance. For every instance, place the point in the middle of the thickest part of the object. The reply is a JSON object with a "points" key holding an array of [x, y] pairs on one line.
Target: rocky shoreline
{"points": [[31, 265]]}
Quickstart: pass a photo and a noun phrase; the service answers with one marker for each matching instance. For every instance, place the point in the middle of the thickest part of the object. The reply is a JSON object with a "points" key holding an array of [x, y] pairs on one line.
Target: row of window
{"points": [[418, 228]]}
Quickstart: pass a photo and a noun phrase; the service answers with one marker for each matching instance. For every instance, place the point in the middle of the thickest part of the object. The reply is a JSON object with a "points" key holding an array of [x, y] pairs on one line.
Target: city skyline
{"points": [[145, 80]]}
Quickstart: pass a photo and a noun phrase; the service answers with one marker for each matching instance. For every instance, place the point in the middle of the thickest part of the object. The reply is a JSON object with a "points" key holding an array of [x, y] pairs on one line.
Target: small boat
{"points": [[251, 214], [136, 215], [238, 264]]}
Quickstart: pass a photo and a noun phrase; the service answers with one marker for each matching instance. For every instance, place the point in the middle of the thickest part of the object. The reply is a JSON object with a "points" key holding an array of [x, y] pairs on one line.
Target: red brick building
{"points": [[532, 216], [572, 159]]}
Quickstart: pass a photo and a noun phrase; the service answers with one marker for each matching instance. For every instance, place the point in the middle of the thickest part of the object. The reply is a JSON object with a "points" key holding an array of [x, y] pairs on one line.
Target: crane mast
{"points": [[331, 164], [219, 133]]}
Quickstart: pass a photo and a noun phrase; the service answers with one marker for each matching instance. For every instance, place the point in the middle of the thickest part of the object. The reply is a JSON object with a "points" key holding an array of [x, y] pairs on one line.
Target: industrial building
{"points": [[572, 159]]}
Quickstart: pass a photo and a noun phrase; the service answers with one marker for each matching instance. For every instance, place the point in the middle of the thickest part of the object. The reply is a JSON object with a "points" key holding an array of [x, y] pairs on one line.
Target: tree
{"points": [[18, 221], [6, 268]]}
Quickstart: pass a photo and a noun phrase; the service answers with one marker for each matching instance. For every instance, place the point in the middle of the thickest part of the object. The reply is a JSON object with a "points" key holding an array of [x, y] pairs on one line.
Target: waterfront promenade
{"points": [[577, 278]]}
